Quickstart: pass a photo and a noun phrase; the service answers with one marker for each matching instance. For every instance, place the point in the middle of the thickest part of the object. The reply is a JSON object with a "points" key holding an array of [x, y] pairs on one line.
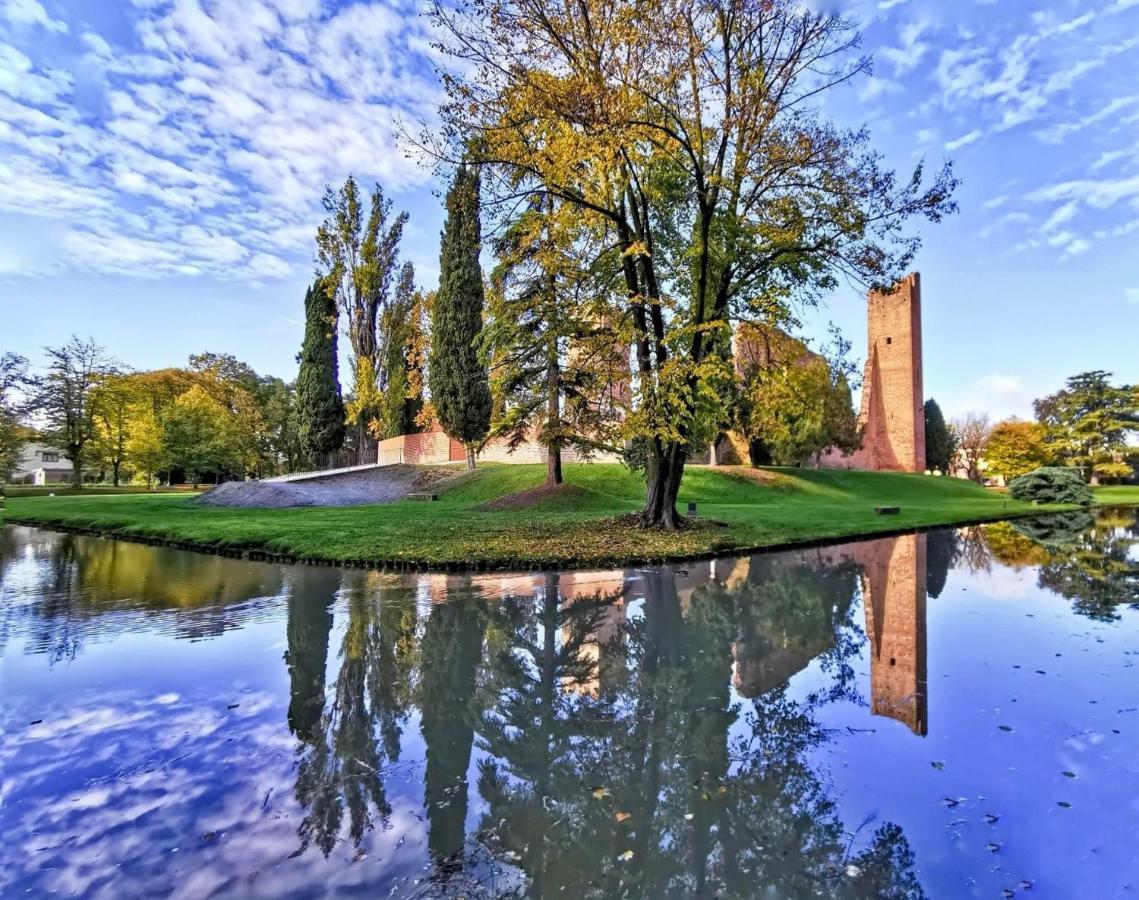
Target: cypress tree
{"points": [[460, 388], [320, 408], [939, 447]]}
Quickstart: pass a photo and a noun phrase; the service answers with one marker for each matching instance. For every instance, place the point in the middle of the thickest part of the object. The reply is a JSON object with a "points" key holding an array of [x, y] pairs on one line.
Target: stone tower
{"points": [[893, 403]]}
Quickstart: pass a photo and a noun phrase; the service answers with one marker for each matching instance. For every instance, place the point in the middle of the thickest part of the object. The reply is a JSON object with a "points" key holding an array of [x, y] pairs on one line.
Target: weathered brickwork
{"points": [[892, 414]]}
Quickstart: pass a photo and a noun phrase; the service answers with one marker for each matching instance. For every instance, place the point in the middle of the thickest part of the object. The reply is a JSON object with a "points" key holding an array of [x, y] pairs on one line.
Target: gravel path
{"points": [[383, 485]]}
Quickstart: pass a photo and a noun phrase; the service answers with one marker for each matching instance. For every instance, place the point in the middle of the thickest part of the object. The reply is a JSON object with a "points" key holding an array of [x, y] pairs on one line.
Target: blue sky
{"points": [[161, 165]]}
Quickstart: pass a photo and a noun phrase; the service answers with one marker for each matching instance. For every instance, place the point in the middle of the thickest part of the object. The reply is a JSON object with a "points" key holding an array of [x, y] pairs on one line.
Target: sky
{"points": [[162, 163]]}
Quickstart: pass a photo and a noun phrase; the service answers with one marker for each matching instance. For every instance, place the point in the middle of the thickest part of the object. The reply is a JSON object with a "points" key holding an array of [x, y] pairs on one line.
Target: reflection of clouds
{"points": [[999, 583], [176, 799]]}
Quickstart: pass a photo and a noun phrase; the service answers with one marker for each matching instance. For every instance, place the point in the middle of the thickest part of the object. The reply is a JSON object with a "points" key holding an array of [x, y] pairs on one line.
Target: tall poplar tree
{"points": [[460, 388], [320, 408], [402, 385]]}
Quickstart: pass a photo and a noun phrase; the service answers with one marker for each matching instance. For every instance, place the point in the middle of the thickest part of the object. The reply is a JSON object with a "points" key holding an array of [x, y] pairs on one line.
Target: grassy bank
{"points": [[739, 509]]}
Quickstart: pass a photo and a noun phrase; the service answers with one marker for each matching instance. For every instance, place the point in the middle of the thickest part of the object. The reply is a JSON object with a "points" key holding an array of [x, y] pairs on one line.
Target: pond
{"points": [[946, 714]]}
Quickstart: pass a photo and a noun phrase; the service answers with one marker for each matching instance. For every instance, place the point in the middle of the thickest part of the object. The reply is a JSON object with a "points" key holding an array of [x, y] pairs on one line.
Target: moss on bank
{"points": [[738, 510]]}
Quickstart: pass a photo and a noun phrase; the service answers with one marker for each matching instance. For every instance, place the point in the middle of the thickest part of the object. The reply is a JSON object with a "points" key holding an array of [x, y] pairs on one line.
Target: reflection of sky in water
{"points": [[160, 711]]}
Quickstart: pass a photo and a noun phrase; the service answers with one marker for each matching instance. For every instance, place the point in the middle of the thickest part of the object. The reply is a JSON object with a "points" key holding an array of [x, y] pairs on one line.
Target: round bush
{"points": [[1051, 484]]}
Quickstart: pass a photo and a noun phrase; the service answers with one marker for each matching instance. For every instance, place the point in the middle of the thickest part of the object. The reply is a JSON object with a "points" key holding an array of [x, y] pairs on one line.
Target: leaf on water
{"points": [[1005, 727], [937, 764], [949, 802], [626, 856], [990, 819], [993, 847], [688, 817], [622, 816], [1068, 774], [1064, 804], [600, 793]]}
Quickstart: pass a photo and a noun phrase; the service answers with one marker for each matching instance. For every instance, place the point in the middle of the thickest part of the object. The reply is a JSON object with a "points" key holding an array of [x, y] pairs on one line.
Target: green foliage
{"points": [[198, 437], [401, 326], [939, 444], [799, 410], [1051, 484], [1016, 448], [1088, 423], [13, 436], [460, 389], [319, 406]]}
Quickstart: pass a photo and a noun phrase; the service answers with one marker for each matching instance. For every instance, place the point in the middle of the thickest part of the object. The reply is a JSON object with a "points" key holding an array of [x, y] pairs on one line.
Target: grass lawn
{"points": [[103, 490], [739, 509]]}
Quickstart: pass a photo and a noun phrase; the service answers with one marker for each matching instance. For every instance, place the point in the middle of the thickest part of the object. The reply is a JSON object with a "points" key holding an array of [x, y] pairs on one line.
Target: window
{"points": [[889, 340], [48, 456]]}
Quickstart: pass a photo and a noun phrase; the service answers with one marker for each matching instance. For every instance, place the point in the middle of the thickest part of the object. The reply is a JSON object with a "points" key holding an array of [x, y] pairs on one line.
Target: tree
{"points": [[797, 411], [401, 327], [196, 436], [1016, 448], [548, 344], [1088, 423], [320, 408], [112, 399], [970, 435], [460, 390], [358, 261], [692, 136], [63, 398], [939, 444], [13, 435]]}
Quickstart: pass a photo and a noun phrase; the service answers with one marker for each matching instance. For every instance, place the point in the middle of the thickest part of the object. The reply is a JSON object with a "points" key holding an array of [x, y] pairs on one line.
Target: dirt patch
{"points": [[382, 485], [532, 497], [757, 476]]}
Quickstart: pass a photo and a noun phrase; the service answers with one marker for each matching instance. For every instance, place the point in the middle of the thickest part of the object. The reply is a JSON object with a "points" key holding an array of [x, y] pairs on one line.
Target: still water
{"points": [[945, 715]]}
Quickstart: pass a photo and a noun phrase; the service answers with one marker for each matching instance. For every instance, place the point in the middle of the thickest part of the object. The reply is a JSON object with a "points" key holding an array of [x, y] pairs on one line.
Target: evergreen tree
{"points": [[402, 391], [460, 388], [939, 447], [320, 409]]}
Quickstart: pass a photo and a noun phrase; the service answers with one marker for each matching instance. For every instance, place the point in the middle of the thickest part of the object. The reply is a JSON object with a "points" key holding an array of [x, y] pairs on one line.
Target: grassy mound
{"points": [[480, 519]]}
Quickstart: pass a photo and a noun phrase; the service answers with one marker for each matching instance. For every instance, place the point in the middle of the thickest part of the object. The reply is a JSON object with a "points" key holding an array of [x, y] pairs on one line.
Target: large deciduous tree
{"points": [[13, 435], [1016, 448], [320, 408], [359, 259], [62, 398], [460, 390], [939, 446], [691, 133], [970, 437]]}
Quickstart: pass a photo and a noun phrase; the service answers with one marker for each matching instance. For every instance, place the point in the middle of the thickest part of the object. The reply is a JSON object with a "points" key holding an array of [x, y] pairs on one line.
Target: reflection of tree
{"points": [[312, 594], [341, 769], [666, 787], [942, 549], [1084, 558], [450, 654]]}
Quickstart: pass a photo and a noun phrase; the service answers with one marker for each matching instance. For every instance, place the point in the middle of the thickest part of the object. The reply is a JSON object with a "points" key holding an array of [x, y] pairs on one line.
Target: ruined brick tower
{"points": [[893, 403]]}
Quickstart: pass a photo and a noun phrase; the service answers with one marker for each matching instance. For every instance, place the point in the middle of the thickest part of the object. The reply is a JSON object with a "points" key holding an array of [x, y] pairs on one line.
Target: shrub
{"points": [[1051, 484]]}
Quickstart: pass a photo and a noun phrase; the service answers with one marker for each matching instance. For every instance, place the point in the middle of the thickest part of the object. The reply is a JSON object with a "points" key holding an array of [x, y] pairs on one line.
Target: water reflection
{"points": [[648, 733]]}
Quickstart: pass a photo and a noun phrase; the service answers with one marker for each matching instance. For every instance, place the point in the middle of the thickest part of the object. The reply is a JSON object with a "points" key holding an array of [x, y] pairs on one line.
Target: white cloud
{"points": [[965, 139], [30, 12], [1131, 295], [203, 145]]}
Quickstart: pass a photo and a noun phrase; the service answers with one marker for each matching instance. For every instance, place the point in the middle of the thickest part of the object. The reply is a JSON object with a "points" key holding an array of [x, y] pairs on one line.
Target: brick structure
{"points": [[893, 402]]}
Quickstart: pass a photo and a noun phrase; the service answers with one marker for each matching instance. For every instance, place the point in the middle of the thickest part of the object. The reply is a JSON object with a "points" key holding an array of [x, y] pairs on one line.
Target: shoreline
{"points": [[259, 553]]}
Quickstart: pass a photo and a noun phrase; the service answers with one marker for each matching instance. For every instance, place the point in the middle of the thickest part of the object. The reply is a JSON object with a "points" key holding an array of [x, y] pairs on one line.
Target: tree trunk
{"points": [[77, 462], [470, 457], [663, 472], [115, 472], [553, 417]]}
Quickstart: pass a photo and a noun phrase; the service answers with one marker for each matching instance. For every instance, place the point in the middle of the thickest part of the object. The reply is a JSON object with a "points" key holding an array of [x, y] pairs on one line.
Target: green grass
{"points": [[739, 509], [103, 490], [1117, 495]]}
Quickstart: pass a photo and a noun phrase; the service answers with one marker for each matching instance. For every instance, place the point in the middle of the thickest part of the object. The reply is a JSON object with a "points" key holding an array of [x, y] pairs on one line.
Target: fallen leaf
{"points": [[622, 816]]}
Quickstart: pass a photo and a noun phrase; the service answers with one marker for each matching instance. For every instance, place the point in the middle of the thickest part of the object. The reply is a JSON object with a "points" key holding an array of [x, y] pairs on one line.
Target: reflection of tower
{"points": [[604, 646], [894, 594]]}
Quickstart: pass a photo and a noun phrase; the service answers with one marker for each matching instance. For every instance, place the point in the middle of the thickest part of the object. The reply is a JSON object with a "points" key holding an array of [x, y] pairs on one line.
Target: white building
{"points": [[41, 464]]}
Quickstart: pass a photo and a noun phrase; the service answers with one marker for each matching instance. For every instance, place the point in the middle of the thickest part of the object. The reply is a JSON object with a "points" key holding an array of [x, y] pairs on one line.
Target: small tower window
{"points": [[889, 340]]}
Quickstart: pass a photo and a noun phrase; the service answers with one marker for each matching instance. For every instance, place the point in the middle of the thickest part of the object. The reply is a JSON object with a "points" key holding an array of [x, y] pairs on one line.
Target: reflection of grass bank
{"points": [[1117, 495], [737, 511]]}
